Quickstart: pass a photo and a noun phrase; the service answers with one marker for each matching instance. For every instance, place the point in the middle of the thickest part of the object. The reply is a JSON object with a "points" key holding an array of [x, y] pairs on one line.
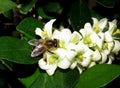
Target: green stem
{"points": [[6, 65]]}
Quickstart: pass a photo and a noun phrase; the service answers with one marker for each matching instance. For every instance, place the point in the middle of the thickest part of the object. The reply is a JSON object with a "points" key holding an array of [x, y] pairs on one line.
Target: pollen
{"points": [[97, 29], [105, 45], [88, 40], [44, 33], [80, 57], [52, 60], [61, 44]]}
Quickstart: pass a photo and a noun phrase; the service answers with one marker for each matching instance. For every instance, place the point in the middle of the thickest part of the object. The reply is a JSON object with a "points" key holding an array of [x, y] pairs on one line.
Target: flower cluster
{"points": [[93, 44]]}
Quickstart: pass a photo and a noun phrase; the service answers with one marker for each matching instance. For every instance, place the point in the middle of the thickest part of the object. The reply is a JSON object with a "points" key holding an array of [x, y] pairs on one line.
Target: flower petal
{"points": [[75, 37], [92, 64], [38, 31], [103, 23], [112, 27], [108, 37], [96, 56], [82, 32], [85, 62], [70, 55], [96, 40], [95, 21], [88, 28], [104, 57], [73, 65], [42, 64], [80, 69], [51, 69], [60, 52], [56, 34], [110, 59], [116, 47], [64, 64], [65, 35], [81, 47], [48, 27]]}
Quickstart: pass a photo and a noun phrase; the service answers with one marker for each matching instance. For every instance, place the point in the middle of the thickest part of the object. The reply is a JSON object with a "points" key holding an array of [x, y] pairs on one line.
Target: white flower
{"points": [[108, 43], [92, 64], [96, 56], [75, 37], [47, 30], [65, 55], [61, 58], [82, 58], [98, 26], [90, 37], [50, 64], [111, 58], [116, 47], [93, 44], [63, 36], [50, 68], [112, 26]]}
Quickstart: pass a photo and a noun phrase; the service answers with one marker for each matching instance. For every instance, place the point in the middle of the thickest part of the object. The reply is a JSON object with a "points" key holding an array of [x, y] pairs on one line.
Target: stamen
{"points": [[97, 29], [44, 33], [87, 40], [105, 45], [52, 60]]}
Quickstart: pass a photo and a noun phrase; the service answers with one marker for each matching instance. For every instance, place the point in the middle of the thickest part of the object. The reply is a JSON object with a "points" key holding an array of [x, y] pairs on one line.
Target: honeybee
{"points": [[42, 45]]}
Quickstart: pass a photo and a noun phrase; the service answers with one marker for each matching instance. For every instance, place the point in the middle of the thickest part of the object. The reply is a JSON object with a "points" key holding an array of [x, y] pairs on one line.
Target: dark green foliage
{"points": [[18, 21]]}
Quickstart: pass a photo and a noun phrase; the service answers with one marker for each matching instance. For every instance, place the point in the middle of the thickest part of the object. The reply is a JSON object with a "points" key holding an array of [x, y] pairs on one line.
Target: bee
{"points": [[42, 45]]}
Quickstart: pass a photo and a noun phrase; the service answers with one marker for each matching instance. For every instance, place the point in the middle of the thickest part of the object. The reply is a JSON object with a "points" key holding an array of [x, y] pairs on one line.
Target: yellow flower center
{"points": [[95, 47], [61, 44], [87, 40], [44, 33], [52, 59], [105, 45], [80, 57], [96, 28]]}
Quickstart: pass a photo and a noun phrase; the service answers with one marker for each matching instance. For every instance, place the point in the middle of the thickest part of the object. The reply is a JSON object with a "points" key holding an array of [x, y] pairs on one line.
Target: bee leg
{"points": [[45, 57], [50, 52]]}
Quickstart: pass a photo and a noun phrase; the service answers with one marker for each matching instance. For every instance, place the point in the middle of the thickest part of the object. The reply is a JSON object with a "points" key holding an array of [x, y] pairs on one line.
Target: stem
{"points": [[6, 65]]}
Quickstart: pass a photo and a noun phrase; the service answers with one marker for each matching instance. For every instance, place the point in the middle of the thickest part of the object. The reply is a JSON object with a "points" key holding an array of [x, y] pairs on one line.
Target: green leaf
{"points": [[53, 7], [79, 14], [27, 27], [98, 76], [28, 6], [6, 5], [29, 80], [95, 14], [61, 79], [8, 14], [107, 3], [42, 14], [15, 50]]}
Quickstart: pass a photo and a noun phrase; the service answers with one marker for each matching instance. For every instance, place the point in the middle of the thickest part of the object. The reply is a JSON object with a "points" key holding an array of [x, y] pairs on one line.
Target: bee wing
{"points": [[37, 50], [34, 42]]}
